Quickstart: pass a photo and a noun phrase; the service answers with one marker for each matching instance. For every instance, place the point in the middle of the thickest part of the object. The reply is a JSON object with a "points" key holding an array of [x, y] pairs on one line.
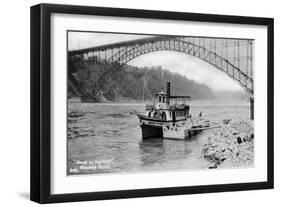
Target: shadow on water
{"points": [[157, 150], [151, 150]]}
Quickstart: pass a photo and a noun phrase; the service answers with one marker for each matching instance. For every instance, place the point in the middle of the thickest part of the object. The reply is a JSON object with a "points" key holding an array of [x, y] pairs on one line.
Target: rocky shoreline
{"points": [[232, 145]]}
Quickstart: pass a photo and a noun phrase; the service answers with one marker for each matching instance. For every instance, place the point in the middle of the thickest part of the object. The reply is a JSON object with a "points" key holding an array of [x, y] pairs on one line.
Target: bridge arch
{"points": [[224, 54], [127, 54]]}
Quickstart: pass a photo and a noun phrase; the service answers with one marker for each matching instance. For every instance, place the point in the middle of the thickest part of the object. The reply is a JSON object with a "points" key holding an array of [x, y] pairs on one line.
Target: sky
{"points": [[186, 65]]}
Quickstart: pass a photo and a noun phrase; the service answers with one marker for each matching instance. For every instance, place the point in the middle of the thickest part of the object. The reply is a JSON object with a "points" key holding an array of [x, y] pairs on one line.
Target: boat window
{"points": [[173, 116], [164, 99], [157, 115], [164, 116], [159, 98]]}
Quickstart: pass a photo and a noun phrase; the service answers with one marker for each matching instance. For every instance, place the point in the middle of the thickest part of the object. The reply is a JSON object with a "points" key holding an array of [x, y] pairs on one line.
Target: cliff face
{"points": [[133, 83]]}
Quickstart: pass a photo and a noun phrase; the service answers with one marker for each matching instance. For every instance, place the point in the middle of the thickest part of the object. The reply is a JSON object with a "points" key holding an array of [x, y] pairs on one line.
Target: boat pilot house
{"points": [[168, 108], [165, 110]]}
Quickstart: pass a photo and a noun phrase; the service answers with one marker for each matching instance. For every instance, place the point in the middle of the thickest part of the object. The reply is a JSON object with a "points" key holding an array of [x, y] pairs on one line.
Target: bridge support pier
{"points": [[252, 108]]}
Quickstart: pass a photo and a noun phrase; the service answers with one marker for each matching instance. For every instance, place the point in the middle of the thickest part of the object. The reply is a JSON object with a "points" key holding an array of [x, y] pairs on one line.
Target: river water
{"points": [[106, 138]]}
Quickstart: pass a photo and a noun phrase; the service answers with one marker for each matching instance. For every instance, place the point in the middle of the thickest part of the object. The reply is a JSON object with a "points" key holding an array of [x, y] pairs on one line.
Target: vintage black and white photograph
{"points": [[152, 103]]}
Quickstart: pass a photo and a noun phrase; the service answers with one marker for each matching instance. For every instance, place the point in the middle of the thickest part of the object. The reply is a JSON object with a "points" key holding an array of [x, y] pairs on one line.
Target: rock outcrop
{"points": [[232, 145]]}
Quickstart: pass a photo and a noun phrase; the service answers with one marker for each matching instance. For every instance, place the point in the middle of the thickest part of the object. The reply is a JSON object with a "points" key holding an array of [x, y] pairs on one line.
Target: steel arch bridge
{"points": [[234, 57]]}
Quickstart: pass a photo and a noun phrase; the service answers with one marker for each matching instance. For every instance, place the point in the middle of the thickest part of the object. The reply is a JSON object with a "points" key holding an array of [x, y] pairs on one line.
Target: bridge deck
{"points": [[118, 44]]}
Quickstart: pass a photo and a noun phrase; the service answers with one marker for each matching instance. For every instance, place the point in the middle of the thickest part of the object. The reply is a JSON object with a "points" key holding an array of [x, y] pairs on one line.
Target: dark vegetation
{"points": [[129, 82]]}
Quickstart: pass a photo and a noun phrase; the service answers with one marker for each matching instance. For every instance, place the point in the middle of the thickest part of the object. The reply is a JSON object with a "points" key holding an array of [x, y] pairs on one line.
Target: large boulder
{"points": [[231, 145]]}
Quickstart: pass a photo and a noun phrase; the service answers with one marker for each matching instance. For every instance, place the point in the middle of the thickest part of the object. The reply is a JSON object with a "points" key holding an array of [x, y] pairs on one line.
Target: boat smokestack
{"points": [[168, 89]]}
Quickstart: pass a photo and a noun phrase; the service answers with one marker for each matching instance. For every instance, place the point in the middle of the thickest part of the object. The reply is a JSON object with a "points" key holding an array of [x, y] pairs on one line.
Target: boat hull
{"points": [[151, 127], [155, 128], [150, 131]]}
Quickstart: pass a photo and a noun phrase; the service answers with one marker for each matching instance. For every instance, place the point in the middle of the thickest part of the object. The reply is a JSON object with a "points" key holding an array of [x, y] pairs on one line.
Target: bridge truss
{"points": [[234, 57]]}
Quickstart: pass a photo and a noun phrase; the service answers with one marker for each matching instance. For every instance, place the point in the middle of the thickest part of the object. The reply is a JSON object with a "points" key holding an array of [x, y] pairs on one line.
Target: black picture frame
{"points": [[40, 175]]}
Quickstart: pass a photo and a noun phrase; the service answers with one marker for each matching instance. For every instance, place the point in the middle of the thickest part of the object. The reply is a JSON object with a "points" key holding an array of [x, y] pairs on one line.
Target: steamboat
{"points": [[169, 117]]}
